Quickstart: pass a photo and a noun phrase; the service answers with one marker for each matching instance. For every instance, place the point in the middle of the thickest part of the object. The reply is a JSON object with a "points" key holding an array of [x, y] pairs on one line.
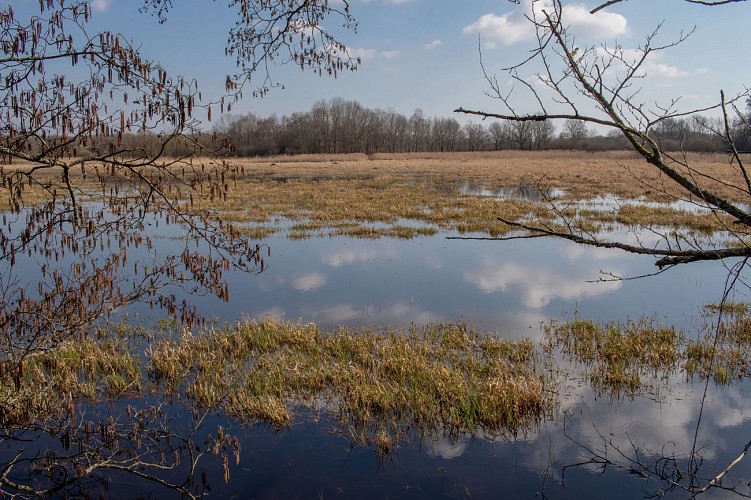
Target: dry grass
{"points": [[325, 193], [581, 174], [441, 378], [49, 382], [348, 194]]}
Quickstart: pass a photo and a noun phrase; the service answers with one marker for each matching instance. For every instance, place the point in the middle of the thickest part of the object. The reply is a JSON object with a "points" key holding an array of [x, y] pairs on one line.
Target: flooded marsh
{"points": [[373, 356]]}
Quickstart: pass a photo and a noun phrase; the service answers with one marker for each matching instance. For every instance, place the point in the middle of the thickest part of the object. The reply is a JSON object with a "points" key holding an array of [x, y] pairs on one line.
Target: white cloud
{"points": [[504, 29], [361, 53], [433, 44], [515, 26], [602, 23], [100, 5], [364, 54]]}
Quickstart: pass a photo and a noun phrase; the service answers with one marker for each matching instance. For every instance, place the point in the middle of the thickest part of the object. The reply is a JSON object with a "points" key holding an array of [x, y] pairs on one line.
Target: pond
{"points": [[593, 445]]}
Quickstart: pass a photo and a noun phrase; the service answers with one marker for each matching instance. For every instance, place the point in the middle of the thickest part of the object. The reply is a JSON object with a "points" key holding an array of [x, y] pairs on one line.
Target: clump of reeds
{"points": [[624, 358], [440, 378]]}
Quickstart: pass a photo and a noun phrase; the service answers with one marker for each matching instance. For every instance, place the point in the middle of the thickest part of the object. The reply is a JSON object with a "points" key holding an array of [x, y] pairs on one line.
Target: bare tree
{"points": [[605, 79], [97, 143], [600, 85], [574, 133]]}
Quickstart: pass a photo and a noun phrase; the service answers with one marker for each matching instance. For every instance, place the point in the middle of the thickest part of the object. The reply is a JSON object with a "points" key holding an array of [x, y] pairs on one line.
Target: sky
{"points": [[426, 53]]}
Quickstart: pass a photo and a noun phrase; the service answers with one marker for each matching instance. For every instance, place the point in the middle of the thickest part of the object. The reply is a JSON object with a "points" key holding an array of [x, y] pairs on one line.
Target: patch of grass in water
{"points": [[439, 378], [48, 383], [625, 358], [723, 352]]}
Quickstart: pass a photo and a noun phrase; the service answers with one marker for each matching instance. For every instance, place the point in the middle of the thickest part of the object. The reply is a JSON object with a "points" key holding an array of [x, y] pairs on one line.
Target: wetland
{"points": [[398, 341]]}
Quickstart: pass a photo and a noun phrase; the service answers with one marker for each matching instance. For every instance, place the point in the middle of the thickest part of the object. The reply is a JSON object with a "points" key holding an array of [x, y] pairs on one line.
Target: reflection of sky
{"points": [[536, 285], [659, 427], [505, 286]]}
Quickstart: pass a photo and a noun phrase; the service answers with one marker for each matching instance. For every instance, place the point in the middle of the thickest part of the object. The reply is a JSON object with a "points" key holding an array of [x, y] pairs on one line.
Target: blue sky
{"points": [[424, 53]]}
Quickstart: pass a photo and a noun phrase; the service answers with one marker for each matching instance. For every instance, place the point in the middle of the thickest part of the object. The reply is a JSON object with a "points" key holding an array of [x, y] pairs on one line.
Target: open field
{"points": [[345, 195], [579, 174]]}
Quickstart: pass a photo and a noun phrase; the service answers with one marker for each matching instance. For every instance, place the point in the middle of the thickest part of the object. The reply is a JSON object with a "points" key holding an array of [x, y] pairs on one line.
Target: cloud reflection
{"points": [[536, 286], [344, 256], [309, 282], [446, 448], [400, 313]]}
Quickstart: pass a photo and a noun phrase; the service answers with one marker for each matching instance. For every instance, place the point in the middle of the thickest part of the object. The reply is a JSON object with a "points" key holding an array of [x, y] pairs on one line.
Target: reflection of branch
{"points": [[143, 446]]}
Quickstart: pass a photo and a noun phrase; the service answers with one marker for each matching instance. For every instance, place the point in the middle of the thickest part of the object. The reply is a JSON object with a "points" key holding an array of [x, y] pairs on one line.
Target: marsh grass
{"points": [[50, 382], [627, 359], [622, 359], [437, 378], [382, 386], [723, 351], [347, 194]]}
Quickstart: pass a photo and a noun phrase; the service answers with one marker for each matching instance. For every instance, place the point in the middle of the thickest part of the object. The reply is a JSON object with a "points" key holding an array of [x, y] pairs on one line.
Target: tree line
{"points": [[345, 126]]}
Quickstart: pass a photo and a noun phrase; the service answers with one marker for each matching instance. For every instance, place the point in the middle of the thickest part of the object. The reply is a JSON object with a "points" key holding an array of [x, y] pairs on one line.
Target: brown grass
{"points": [[347, 194], [581, 174], [440, 378]]}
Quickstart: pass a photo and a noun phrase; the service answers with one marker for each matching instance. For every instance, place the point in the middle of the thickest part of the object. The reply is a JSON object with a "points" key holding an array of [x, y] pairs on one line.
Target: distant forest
{"points": [[342, 126]]}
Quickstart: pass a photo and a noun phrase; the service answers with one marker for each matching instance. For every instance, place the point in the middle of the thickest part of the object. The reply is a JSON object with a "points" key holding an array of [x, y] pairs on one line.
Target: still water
{"points": [[506, 287]]}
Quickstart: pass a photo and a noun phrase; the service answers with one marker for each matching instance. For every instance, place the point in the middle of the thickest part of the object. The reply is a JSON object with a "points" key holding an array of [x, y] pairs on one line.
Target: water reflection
{"points": [[508, 287], [537, 285], [525, 192]]}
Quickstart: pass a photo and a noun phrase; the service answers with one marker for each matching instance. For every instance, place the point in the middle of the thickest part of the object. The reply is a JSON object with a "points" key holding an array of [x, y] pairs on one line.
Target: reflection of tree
{"points": [[140, 442]]}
